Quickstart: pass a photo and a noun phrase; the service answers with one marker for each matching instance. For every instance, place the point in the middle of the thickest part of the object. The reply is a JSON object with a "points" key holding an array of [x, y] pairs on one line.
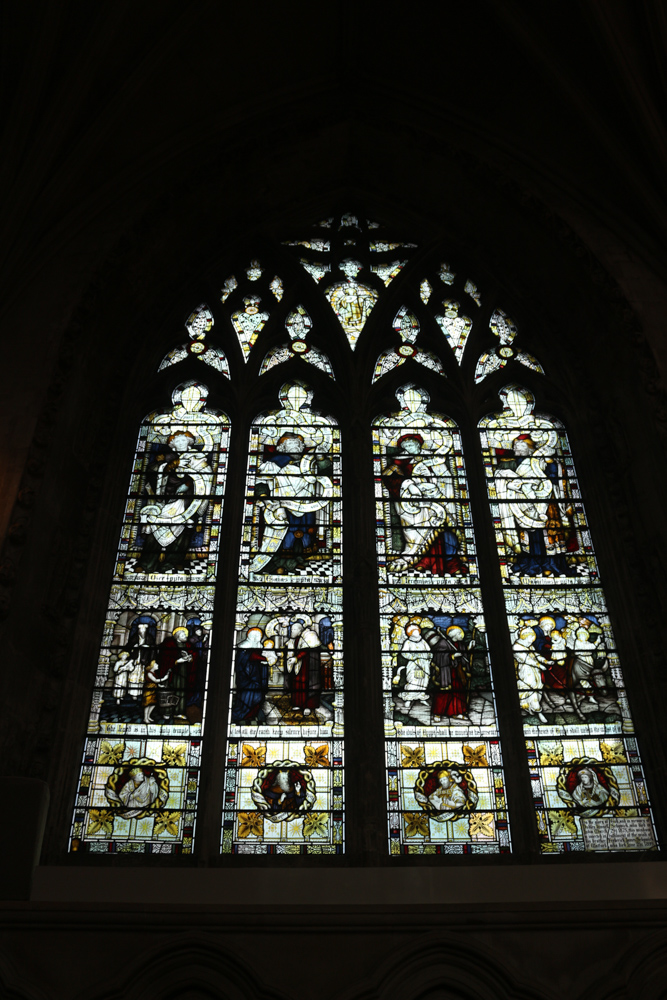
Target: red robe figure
{"points": [[451, 676], [440, 552], [303, 676]]}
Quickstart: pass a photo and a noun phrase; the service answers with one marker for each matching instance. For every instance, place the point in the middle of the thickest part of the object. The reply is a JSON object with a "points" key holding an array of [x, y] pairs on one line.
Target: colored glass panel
{"points": [[425, 290], [284, 790], [387, 272], [588, 785], [140, 774], [455, 327], [395, 357], [316, 271], [351, 301], [298, 325], [228, 287], [446, 274], [493, 360], [248, 323], [199, 324], [471, 289], [444, 765]]}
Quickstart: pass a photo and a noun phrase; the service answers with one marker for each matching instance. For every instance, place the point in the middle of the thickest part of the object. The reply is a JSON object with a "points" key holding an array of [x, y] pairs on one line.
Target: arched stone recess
{"points": [[446, 968], [14, 984], [639, 974], [187, 969]]}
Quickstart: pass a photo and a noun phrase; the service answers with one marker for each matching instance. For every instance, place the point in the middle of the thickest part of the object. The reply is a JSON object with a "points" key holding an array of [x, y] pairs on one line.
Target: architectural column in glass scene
{"points": [[588, 784], [284, 776], [444, 763], [140, 773]]}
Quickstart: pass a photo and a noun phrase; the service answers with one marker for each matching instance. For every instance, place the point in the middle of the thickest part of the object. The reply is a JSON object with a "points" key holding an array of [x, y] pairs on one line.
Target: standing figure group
{"points": [[433, 672], [561, 665], [284, 670], [167, 677]]}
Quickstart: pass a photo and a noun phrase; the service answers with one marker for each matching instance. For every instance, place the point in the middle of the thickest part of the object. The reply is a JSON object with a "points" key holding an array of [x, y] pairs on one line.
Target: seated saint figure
{"points": [[293, 488], [446, 793], [177, 484]]}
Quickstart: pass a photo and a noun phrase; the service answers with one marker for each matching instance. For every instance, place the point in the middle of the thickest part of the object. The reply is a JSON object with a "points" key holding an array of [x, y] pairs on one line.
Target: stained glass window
{"points": [[588, 784], [283, 783], [140, 774], [444, 762], [284, 779]]}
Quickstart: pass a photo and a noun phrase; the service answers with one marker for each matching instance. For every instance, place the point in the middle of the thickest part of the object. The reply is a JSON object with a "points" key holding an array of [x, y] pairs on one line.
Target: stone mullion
{"points": [[521, 813], [365, 773]]}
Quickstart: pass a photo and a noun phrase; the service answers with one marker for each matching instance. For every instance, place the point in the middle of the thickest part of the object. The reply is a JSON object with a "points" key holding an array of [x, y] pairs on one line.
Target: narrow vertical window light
{"points": [[445, 776], [588, 785], [140, 773], [284, 778]]}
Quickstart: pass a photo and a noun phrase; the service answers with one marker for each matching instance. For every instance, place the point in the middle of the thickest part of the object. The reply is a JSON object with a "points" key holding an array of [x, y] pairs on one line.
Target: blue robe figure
{"points": [[252, 678]]}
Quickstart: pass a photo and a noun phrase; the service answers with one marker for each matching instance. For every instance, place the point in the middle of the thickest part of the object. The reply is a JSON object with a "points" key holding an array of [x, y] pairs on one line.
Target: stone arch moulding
{"points": [[14, 985], [640, 973], [187, 969], [444, 968]]}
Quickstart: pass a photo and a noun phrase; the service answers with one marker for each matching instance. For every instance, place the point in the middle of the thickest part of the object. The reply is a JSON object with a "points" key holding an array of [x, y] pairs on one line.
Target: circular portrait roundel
{"points": [[283, 791], [137, 787], [588, 786], [446, 790]]}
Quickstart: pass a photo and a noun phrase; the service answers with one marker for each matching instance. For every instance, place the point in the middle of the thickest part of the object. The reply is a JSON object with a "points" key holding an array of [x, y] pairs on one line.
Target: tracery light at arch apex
{"points": [[588, 784], [140, 773], [444, 764], [284, 777]]}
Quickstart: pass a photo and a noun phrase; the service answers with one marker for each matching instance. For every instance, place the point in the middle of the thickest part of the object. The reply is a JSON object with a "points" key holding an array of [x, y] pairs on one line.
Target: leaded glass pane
{"points": [[387, 272], [298, 325], [444, 764], [285, 756], [249, 321], [199, 324], [140, 774], [588, 785], [471, 289], [493, 360], [351, 301], [407, 327], [455, 327]]}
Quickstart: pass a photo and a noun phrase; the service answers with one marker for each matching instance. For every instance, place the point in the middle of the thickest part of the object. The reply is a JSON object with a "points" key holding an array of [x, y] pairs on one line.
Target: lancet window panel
{"points": [[422, 498], [139, 779], [589, 788], [445, 779], [284, 772]]}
